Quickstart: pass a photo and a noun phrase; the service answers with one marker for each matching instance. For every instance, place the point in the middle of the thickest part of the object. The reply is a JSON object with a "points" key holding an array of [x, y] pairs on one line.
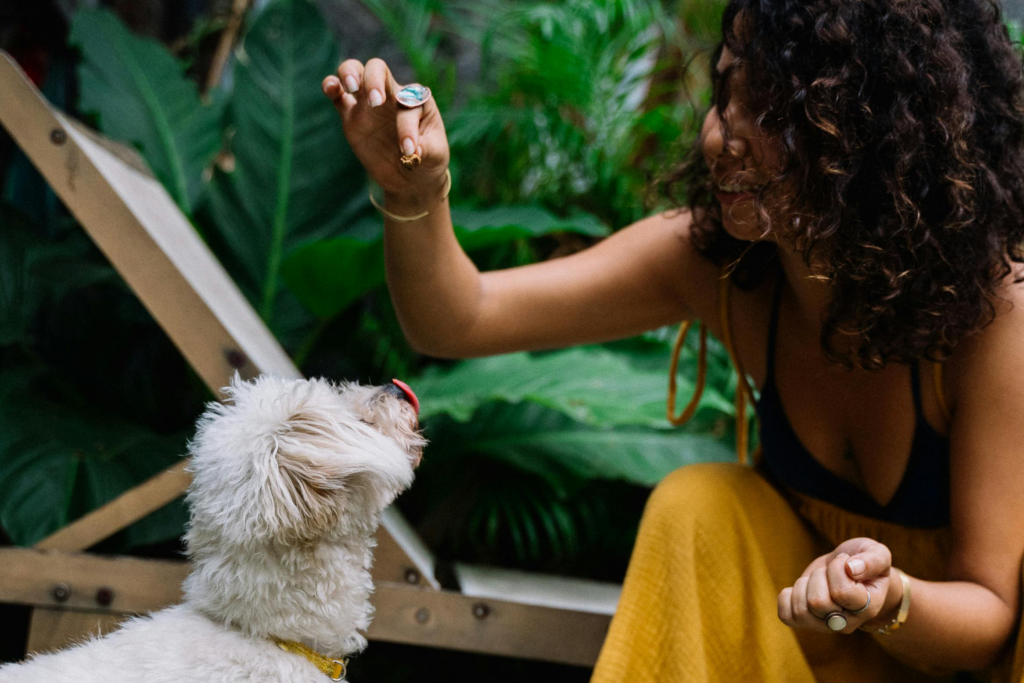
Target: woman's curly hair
{"points": [[900, 126]]}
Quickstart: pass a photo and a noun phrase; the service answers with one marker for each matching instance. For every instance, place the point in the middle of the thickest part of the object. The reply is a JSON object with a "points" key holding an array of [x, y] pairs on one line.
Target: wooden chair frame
{"points": [[136, 224]]}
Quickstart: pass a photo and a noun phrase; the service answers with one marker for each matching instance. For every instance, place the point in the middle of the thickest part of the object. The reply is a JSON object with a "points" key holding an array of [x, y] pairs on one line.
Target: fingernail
{"points": [[350, 84], [376, 99], [856, 566], [407, 146]]}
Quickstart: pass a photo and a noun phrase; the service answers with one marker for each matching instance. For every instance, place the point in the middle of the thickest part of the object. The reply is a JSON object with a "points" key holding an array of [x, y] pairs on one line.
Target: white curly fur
{"points": [[289, 480]]}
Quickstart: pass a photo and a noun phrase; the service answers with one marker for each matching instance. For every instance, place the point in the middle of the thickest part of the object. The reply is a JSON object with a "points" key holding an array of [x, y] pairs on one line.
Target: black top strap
{"points": [[915, 385], [773, 326]]}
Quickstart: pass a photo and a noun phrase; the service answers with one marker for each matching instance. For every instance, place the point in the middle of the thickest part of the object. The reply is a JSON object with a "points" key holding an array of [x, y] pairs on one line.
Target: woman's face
{"points": [[748, 164]]}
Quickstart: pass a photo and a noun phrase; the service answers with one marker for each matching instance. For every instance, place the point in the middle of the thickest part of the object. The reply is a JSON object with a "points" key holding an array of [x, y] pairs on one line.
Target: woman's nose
{"points": [[715, 149]]}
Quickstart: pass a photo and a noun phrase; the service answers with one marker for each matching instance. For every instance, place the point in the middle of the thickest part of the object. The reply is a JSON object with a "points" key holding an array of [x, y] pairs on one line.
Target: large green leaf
{"points": [[57, 463], [293, 169], [592, 385], [140, 93], [546, 442], [35, 269], [328, 275]]}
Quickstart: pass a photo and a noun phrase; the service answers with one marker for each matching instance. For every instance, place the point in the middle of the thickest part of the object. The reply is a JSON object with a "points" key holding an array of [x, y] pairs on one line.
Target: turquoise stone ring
{"points": [[413, 95]]}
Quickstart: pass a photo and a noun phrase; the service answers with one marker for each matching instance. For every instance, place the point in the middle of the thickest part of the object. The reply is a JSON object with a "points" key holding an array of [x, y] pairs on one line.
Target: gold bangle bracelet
{"points": [[904, 611], [447, 190]]}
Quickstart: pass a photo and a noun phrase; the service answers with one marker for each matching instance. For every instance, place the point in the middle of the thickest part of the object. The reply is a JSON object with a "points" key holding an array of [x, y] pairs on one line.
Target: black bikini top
{"points": [[922, 498]]}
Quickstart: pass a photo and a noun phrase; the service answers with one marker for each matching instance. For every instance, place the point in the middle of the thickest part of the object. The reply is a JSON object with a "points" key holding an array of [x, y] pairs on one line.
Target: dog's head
{"points": [[284, 461]]}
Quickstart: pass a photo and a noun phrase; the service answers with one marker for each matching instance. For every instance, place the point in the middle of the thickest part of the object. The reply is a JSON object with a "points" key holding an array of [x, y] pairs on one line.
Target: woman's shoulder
{"points": [[990, 361], [695, 277]]}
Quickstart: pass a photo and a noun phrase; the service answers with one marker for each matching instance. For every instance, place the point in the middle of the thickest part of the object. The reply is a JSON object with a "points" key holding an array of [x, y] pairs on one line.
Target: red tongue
{"points": [[407, 390]]}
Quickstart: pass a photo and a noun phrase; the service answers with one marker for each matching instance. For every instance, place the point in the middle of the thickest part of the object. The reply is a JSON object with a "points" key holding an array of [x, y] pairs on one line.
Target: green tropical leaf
{"points": [[590, 384], [140, 93], [34, 270], [57, 463], [293, 169], [546, 442], [328, 275]]}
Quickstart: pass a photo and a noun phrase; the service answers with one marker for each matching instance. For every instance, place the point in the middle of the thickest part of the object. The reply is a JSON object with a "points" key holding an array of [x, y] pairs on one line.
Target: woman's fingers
{"points": [[819, 602], [341, 88], [350, 75], [378, 83], [408, 122], [786, 606], [846, 592], [798, 603], [871, 562], [341, 100]]}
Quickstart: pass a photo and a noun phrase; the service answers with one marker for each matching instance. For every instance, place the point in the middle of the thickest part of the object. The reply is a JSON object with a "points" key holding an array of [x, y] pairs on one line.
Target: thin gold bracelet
{"points": [[901, 615], [447, 189]]}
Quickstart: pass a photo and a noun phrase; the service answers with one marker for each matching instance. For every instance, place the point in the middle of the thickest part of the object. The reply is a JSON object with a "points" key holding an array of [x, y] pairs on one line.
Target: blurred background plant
{"points": [[559, 114]]}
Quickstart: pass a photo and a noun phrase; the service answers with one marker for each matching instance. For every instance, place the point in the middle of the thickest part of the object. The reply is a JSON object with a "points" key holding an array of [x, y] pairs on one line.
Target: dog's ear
{"points": [[328, 474], [305, 488]]}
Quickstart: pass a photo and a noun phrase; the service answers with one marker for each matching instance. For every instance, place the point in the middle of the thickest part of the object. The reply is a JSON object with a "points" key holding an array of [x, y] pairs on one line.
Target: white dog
{"points": [[290, 479]]}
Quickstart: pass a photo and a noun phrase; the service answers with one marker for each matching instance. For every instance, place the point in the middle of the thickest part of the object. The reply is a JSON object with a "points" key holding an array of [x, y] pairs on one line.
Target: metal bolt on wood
{"points": [[412, 576], [104, 597], [61, 592], [58, 137], [481, 610], [422, 615], [235, 358]]}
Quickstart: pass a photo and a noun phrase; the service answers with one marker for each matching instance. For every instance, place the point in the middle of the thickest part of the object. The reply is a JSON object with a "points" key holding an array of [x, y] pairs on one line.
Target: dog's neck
{"points": [[316, 594]]}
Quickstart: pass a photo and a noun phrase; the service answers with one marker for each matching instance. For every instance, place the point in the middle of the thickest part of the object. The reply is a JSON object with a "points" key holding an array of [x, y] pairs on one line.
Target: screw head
{"points": [[481, 610], [58, 136], [235, 358], [412, 576], [422, 615], [61, 592], [104, 596]]}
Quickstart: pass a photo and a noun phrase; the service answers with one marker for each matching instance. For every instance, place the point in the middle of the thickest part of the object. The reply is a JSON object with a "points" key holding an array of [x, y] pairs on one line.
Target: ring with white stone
{"points": [[413, 95], [835, 621]]}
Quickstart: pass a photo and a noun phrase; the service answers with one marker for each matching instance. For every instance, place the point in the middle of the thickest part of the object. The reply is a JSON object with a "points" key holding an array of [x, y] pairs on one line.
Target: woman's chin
{"points": [[745, 229]]}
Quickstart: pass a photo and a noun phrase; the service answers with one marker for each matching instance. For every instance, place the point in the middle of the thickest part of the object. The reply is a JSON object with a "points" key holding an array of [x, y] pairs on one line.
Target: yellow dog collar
{"points": [[335, 669]]}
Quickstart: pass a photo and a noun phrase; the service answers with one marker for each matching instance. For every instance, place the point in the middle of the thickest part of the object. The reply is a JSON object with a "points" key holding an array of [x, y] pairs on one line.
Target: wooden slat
{"points": [[55, 578], [403, 613], [543, 590], [52, 629], [447, 619], [107, 520]]}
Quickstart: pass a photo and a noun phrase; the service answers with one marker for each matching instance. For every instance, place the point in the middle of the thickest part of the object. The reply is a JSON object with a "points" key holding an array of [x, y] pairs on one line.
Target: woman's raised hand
{"points": [[379, 130]]}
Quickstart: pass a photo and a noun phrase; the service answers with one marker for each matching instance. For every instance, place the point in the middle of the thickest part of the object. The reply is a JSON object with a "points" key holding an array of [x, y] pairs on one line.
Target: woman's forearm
{"points": [[952, 625], [434, 286]]}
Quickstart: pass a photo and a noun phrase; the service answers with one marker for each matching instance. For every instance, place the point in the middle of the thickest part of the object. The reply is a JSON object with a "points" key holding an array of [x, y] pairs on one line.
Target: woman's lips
{"points": [[733, 197]]}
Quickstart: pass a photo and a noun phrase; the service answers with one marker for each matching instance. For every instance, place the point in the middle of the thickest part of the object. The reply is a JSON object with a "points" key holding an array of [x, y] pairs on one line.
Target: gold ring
{"points": [[411, 161]]}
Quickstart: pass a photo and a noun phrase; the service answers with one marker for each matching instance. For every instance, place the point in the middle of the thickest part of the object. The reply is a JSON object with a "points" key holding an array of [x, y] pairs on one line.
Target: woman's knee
{"points": [[705, 490]]}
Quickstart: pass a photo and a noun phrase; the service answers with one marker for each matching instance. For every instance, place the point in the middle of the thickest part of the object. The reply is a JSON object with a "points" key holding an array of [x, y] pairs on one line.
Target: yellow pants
{"points": [[716, 545]]}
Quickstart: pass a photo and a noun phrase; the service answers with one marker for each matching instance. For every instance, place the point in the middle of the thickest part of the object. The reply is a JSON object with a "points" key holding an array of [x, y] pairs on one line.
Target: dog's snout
{"points": [[403, 391], [392, 390]]}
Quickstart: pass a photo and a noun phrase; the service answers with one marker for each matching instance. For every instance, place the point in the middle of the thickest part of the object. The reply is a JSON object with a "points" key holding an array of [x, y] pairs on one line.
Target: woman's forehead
{"points": [[741, 26]]}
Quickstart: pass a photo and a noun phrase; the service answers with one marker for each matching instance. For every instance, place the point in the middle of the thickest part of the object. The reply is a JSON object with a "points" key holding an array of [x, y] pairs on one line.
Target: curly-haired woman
{"points": [[854, 224]]}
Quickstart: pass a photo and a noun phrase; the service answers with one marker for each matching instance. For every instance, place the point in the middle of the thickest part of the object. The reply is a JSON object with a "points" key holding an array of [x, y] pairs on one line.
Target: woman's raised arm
{"points": [[644, 276]]}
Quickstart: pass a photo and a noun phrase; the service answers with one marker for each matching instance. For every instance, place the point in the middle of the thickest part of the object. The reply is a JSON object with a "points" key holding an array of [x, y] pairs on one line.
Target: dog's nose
{"points": [[401, 390]]}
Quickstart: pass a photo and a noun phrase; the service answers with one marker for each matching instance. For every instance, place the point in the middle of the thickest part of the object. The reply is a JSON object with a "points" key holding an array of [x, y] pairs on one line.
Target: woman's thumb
{"points": [[869, 563]]}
